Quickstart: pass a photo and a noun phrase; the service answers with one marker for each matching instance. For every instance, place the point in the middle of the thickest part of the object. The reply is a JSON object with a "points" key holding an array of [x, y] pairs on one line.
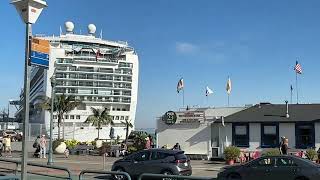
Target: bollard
{"points": [[104, 161]]}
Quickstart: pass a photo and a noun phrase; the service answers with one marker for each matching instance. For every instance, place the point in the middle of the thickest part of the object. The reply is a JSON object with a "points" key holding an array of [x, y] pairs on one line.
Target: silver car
{"points": [[156, 161]]}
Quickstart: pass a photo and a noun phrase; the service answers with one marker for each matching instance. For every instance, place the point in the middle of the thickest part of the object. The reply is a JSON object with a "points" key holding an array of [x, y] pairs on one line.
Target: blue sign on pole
{"points": [[39, 59], [39, 55]]}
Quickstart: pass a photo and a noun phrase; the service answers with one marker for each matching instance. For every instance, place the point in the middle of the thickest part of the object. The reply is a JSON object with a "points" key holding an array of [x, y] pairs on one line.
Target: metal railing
{"points": [[172, 177], [9, 177], [17, 163], [127, 176]]}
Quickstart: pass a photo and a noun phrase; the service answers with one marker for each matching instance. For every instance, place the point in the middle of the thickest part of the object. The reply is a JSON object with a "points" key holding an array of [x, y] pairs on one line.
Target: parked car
{"points": [[157, 161], [273, 167], [15, 136]]}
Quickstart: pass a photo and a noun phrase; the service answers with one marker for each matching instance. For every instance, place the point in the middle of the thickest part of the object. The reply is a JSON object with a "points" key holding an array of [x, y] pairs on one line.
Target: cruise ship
{"points": [[99, 73]]}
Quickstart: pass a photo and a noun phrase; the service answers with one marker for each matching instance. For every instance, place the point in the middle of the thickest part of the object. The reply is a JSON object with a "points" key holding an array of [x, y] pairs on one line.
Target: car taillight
{"points": [[181, 161]]}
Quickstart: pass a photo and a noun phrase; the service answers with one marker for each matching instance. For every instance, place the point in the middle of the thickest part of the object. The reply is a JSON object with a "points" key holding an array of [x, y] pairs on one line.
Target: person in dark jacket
{"points": [[177, 147]]}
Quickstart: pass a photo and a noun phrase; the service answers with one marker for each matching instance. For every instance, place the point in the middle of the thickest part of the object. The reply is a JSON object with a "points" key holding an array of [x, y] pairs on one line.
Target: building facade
{"points": [[252, 128], [99, 73]]}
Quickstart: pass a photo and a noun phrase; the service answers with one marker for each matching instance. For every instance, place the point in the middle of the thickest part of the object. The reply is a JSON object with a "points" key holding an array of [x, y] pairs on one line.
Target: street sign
{"points": [[39, 55]]}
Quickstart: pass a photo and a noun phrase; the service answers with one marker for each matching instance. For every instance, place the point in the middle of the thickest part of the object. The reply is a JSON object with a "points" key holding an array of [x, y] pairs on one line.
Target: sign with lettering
{"points": [[170, 118], [39, 55]]}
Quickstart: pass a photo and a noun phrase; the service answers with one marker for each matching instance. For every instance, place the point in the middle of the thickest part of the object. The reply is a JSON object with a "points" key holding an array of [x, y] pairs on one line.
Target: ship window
{"points": [[78, 116], [117, 117], [71, 116], [122, 118]]}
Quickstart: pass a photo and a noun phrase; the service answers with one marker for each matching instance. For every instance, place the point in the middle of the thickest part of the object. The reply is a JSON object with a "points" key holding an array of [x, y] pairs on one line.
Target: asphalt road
{"points": [[77, 163]]}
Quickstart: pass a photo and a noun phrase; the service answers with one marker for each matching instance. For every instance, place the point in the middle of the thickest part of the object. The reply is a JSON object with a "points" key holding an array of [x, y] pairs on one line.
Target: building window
{"points": [[305, 135], [78, 116], [66, 117], [240, 134], [269, 135], [71, 116]]}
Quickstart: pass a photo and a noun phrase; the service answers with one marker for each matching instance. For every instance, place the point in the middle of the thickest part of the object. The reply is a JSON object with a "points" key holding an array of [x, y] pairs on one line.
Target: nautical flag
{"points": [[291, 88], [298, 68], [228, 88], [180, 85], [208, 91], [97, 54]]}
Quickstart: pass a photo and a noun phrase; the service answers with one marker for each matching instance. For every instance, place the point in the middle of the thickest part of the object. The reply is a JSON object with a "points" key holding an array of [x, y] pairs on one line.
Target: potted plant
{"points": [[271, 152], [311, 154], [231, 153]]}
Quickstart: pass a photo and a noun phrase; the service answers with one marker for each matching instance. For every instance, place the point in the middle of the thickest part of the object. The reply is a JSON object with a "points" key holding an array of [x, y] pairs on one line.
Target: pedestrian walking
{"points": [[148, 143], [43, 143], [1, 147], [284, 146], [177, 147], [7, 147], [36, 144], [281, 143]]}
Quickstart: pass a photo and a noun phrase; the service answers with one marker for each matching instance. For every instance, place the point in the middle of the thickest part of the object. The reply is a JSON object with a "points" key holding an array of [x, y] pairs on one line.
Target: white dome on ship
{"points": [[69, 26], [92, 28]]}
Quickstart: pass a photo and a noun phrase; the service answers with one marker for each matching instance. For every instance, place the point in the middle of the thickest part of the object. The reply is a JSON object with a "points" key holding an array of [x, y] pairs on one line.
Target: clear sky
{"points": [[255, 42]]}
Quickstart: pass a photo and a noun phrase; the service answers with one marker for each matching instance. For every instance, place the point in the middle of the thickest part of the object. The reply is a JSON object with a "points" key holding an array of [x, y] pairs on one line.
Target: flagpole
{"points": [[297, 88], [291, 94], [183, 97], [228, 99]]}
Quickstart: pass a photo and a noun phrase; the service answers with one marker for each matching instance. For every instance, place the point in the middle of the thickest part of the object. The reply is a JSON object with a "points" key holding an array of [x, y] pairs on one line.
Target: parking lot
{"points": [[76, 163]]}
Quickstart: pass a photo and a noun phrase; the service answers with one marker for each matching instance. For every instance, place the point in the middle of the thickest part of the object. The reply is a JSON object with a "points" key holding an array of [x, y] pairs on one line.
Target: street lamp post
{"points": [[29, 10], [50, 161]]}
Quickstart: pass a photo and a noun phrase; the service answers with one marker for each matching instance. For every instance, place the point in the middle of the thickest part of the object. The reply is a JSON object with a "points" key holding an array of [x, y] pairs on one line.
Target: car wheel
{"points": [[234, 176], [119, 177], [167, 172]]}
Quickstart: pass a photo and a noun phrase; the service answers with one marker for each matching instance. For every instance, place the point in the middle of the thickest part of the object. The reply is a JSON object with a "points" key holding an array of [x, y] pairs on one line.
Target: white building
{"points": [[207, 132], [100, 73]]}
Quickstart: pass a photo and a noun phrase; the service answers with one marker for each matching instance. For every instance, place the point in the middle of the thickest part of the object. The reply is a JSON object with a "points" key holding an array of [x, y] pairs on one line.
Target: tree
{"points": [[99, 118], [128, 125], [62, 105]]}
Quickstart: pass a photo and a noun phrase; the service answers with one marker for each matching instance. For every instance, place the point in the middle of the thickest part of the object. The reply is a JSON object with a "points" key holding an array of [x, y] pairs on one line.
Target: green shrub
{"points": [[311, 154], [231, 153], [132, 149], [93, 143], [56, 143], [271, 152], [71, 144]]}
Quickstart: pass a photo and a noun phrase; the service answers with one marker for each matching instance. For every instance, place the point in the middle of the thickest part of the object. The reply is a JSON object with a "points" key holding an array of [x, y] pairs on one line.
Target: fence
{"points": [[17, 163]]}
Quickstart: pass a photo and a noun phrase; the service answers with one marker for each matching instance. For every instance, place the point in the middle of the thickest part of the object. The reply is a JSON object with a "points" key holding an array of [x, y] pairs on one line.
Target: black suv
{"points": [[156, 161]]}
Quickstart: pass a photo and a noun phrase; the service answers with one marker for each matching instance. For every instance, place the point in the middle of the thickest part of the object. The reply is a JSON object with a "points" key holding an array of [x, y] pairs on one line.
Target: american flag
{"points": [[180, 85], [298, 68]]}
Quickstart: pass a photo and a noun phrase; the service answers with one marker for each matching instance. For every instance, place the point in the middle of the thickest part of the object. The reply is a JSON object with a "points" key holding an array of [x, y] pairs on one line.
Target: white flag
{"points": [[228, 88], [208, 91]]}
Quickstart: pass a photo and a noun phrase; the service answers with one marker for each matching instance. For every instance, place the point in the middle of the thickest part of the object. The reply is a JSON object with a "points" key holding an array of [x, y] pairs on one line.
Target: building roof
{"points": [[276, 113]]}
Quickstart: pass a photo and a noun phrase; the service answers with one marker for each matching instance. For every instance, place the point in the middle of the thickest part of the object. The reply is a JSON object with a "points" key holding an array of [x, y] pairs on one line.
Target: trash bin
{"points": [[117, 153]]}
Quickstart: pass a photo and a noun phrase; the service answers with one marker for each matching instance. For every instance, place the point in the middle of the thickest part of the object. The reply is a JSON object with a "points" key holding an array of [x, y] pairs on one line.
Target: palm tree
{"points": [[62, 105], [99, 118], [128, 125]]}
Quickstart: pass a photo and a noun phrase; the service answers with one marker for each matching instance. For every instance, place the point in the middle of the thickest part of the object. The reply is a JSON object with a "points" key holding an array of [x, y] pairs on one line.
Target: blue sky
{"points": [[255, 42]]}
